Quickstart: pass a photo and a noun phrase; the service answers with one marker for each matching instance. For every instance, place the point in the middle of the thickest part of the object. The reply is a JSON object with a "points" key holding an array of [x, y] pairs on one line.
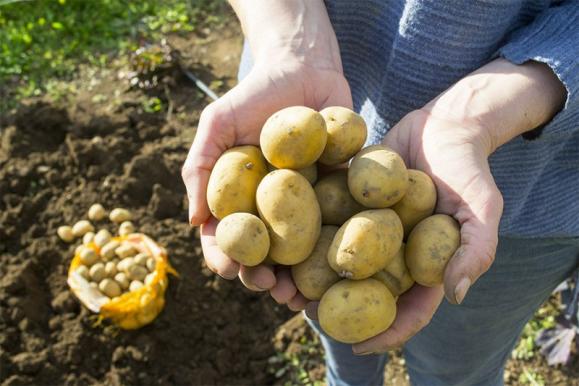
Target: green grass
{"points": [[47, 39]]}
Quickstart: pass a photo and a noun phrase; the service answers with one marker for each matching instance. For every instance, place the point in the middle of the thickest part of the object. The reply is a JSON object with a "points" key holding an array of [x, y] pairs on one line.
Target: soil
{"points": [[101, 145]]}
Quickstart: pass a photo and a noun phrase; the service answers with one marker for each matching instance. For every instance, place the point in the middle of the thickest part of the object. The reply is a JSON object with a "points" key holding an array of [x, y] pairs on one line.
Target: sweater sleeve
{"points": [[552, 38]]}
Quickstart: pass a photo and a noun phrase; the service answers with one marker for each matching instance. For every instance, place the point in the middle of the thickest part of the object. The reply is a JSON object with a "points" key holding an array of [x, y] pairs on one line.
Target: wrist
{"points": [[294, 30], [501, 100]]}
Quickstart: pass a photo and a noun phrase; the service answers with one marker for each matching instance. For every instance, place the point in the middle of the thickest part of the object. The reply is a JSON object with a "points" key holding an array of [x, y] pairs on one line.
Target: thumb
{"points": [[234, 119], [479, 221]]}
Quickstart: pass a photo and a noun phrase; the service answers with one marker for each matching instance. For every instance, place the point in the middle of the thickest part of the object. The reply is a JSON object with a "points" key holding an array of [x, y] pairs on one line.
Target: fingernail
{"points": [[461, 289]]}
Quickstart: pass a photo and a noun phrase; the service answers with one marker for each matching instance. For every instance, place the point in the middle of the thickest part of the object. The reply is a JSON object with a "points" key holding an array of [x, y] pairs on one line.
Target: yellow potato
{"points": [[418, 202], [293, 138], [365, 243], [233, 181], [430, 246], [346, 134], [396, 275], [313, 276], [287, 205], [336, 202], [377, 177], [352, 311], [243, 237], [309, 172]]}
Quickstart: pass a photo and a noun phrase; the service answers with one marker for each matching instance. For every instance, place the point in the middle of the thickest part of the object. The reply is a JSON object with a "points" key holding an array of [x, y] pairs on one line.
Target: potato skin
{"points": [[430, 246], [309, 172], [352, 311], [244, 238], [418, 202], [287, 205], [233, 181], [336, 202], [346, 135], [313, 276], [365, 243], [293, 138], [377, 177], [395, 275]]}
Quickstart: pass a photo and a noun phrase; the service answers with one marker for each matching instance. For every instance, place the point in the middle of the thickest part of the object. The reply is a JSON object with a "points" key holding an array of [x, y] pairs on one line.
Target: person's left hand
{"points": [[454, 154]]}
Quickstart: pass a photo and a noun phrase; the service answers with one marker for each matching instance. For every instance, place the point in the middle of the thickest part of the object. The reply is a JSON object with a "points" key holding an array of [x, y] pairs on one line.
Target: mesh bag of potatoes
{"points": [[122, 278], [356, 238]]}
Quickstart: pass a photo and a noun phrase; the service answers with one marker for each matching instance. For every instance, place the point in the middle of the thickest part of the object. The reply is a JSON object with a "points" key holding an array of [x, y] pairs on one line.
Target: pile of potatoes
{"points": [[342, 233], [110, 266]]}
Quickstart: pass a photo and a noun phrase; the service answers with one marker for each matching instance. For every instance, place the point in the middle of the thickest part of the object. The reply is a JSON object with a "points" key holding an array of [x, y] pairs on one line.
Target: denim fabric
{"points": [[469, 344]]}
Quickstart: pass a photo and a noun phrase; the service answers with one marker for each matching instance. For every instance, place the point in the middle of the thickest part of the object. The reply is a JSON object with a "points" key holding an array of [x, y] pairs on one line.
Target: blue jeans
{"points": [[469, 344]]}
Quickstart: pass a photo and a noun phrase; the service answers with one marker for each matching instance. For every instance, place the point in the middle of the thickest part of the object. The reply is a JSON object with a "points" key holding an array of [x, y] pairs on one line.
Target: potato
{"points": [[287, 205], [346, 134], [234, 180], [65, 233], [418, 202], [395, 275], [88, 256], [309, 172], [119, 215], [430, 246], [365, 243], [81, 228], [314, 276], [293, 138], [110, 288], [126, 228], [102, 238], [96, 212], [244, 238], [336, 202], [377, 177], [355, 310]]}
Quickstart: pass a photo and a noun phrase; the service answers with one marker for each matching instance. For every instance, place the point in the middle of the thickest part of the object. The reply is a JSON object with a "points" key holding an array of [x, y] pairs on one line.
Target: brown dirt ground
{"points": [[100, 146]]}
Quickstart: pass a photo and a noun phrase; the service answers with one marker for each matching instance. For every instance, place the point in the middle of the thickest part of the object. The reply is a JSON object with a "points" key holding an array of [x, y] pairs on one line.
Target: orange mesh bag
{"points": [[133, 309]]}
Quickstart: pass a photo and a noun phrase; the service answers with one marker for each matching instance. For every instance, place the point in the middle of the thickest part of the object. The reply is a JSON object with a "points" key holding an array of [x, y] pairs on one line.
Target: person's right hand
{"points": [[236, 119]]}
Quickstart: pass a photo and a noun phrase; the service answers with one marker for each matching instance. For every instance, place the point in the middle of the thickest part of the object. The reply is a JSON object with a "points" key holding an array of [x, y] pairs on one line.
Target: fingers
{"points": [[216, 260], [258, 278], [479, 239], [415, 309], [285, 289], [251, 102], [298, 302], [215, 133]]}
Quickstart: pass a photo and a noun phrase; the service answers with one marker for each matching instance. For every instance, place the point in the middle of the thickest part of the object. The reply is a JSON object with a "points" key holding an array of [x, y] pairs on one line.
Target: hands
{"points": [[450, 139]]}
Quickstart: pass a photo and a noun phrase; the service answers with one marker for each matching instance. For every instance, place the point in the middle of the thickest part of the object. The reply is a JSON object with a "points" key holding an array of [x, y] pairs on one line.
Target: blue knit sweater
{"points": [[398, 55]]}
